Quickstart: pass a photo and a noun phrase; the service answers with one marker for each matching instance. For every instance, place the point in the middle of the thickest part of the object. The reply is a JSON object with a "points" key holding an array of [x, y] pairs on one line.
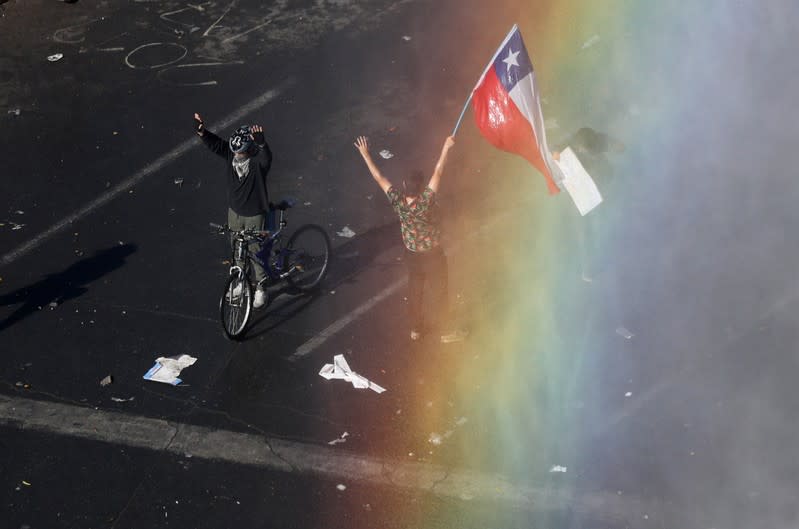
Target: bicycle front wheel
{"points": [[307, 257], [235, 305]]}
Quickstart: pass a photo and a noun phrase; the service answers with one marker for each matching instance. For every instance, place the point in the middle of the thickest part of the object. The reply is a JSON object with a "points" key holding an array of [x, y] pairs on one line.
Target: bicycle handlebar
{"points": [[246, 233]]}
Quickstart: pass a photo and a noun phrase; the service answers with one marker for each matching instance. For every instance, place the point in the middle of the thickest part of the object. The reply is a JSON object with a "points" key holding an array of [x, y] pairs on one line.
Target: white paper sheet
{"points": [[340, 369], [578, 182], [166, 370]]}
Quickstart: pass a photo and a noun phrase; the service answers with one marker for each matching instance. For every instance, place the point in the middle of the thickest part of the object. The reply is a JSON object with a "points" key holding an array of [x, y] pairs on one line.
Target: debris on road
{"points": [[557, 468], [590, 42], [385, 153], [628, 394], [621, 331], [106, 381], [346, 232], [55, 57], [306, 203], [435, 439], [118, 399], [406, 38], [166, 370], [342, 439], [340, 369], [15, 112], [341, 486], [179, 182]]}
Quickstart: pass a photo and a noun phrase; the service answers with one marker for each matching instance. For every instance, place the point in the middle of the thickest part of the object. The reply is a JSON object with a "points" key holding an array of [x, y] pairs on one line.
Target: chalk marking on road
{"points": [[137, 177], [306, 458], [248, 31]]}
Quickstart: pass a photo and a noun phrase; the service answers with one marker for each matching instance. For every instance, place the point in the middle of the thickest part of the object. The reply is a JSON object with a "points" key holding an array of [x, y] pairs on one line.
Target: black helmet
{"points": [[241, 140]]}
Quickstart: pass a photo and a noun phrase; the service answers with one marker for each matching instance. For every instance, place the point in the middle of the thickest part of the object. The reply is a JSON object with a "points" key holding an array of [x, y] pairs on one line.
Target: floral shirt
{"points": [[418, 220]]}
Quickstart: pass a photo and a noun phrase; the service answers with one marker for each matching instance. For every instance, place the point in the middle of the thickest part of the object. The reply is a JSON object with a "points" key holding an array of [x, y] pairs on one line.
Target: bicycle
{"points": [[303, 262]]}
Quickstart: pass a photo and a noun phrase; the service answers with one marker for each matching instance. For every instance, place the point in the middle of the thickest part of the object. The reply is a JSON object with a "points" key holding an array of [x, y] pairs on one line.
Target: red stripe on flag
{"points": [[502, 124]]}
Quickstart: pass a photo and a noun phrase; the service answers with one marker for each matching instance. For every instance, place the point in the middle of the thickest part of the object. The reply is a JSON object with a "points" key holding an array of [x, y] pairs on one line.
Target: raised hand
{"points": [[362, 144], [257, 134], [198, 124]]}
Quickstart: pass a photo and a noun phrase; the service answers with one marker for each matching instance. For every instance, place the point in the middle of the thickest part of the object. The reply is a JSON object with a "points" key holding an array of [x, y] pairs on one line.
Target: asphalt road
{"points": [[107, 264]]}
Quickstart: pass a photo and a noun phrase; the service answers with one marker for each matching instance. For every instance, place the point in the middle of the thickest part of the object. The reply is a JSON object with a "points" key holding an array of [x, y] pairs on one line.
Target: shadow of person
{"points": [[65, 285], [347, 261]]}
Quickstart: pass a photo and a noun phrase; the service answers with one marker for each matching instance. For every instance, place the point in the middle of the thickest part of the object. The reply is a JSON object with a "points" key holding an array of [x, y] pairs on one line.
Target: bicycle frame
{"points": [[242, 253]]}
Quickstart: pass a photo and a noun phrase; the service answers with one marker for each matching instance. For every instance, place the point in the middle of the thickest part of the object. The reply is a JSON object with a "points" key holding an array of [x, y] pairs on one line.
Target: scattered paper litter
{"points": [[557, 468], [55, 57], [346, 232], [340, 369], [118, 399], [107, 380], [385, 153], [628, 394], [434, 438], [342, 439], [306, 203], [624, 332], [406, 38], [590, 42], [341, 486], [166, 370]]}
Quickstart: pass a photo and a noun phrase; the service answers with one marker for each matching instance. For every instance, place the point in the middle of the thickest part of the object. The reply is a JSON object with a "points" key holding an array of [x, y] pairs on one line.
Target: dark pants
{"points": [[430, 266]]}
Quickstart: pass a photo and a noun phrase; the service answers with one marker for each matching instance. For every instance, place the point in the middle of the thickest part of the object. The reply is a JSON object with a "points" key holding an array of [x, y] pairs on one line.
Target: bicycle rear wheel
{"points": [[307, 257], [235, 305]]}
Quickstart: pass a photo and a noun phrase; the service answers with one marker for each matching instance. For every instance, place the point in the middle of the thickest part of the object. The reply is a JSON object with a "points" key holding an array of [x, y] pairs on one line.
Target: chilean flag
{"points": [[507, 108]]}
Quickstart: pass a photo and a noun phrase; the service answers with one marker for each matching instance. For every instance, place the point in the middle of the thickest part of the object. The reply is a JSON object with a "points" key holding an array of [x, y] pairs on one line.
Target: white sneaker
{"points": [[260, 298]]}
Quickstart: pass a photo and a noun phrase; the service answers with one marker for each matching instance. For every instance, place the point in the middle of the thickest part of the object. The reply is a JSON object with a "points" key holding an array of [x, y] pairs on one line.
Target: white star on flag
{"points": [[510, 60]]}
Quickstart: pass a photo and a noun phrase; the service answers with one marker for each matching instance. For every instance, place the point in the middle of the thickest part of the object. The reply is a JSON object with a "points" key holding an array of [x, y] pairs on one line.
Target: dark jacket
{"points": [[246, 196]]}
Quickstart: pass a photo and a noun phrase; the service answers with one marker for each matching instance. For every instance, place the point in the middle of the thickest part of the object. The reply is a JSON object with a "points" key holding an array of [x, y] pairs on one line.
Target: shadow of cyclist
{"points": [[65, 285]]}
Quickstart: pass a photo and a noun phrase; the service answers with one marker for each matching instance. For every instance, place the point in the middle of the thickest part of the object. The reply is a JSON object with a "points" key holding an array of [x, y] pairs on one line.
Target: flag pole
{"points": [[458, 124]]}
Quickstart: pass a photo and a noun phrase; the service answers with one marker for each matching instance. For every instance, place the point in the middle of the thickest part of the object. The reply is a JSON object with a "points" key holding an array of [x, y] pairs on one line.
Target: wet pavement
{"points": [[108, 263]]}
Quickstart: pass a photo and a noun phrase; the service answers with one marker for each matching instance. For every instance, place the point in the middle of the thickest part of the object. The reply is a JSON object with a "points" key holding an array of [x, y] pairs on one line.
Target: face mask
{"points": [[242, 167]]}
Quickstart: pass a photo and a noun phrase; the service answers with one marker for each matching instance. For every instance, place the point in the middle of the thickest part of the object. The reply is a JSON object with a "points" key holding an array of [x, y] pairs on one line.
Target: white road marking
{"points": [[339, 324], [332, 329], [137, 177], [305, 458]]}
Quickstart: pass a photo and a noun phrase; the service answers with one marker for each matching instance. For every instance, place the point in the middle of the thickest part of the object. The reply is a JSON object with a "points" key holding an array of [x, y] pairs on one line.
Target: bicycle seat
{"points": [[283, 205]]}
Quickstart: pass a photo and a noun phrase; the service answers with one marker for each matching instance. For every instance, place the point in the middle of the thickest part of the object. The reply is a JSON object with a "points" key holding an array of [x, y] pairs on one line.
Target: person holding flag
{"points": [[417, 208]]}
